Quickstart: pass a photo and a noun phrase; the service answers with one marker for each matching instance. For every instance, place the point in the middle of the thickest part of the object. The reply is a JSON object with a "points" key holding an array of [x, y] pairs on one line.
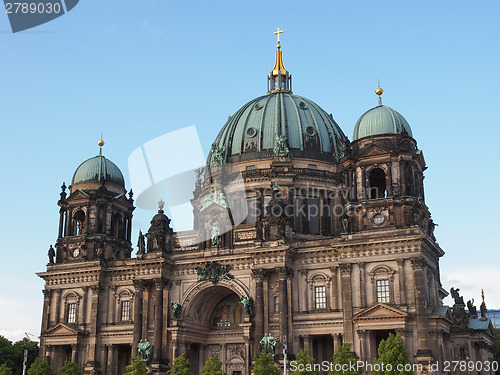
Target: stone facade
{"points": [[330, 252]]}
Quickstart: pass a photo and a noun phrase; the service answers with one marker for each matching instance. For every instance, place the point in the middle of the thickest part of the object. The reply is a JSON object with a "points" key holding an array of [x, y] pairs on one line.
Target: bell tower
{"points": [[96, 217], [385, 174]]}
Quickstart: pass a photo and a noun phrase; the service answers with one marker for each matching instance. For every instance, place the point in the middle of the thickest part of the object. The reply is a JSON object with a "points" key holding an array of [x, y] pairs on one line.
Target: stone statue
{"points": [[459, 300], [216, 196], [144, 350], [472, 308], [483, 308], [248, 304], [51, 254], [199, 174], [268, 343], [484, 311], [215, 232], [176, 309], [141, 243], [217, 155], [214, 272], [281, 148]]}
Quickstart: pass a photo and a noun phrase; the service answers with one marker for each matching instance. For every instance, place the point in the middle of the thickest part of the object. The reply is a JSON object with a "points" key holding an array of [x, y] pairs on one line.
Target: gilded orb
{"points": [[379, 91], [100, 143]]}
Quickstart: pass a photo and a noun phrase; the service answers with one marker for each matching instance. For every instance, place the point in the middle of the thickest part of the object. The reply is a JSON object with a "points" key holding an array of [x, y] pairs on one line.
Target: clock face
{"points": [[76, 252], [378, 219]]}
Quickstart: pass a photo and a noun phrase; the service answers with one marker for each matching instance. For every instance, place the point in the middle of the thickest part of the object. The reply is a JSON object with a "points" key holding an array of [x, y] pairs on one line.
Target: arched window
{"points": [[376, 180], [125, 305], [116, 226], [382, 278], [71, 301], [319, 286], [79, 223]]}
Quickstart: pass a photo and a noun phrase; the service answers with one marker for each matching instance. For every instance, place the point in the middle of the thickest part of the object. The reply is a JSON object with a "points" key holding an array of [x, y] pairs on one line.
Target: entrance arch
{"points": [[202, 297], [203, 305]]}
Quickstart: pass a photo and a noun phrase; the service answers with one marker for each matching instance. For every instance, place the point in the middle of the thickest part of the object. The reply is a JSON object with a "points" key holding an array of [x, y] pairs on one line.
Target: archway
{"points": [[205, 305]]}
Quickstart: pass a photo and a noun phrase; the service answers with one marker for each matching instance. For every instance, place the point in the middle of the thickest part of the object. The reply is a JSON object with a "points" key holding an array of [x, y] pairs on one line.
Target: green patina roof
{"points": [[479, 325], [380, 120], [98, 169], [250, 133]]}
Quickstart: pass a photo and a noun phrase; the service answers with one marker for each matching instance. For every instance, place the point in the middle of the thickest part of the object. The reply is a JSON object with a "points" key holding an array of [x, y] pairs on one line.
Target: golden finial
{"points": [[482, 294], [379, 92], [100, 143], [278, 33]]}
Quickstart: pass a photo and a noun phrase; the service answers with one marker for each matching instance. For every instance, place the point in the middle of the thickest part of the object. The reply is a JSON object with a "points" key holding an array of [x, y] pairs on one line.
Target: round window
{"points": [[310, 131], [378, 219], [251, 132]]}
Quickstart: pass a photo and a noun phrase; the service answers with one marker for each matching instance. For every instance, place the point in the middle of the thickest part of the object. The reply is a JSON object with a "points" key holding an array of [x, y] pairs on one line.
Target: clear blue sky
{"points": [[137, 69]]}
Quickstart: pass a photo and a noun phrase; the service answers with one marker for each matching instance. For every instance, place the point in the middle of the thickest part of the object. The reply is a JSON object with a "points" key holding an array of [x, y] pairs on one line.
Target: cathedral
{"points": [[328, 241]]}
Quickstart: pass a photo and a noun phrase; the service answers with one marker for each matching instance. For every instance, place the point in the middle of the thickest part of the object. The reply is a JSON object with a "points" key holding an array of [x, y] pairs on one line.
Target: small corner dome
{"points": [[379, 121], [98, 169]]}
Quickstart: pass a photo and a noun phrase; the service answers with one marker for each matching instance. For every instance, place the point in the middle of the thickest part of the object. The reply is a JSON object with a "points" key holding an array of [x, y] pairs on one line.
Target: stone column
{"points": [[61, 222], [336, 342], [247, 354], [158, 324], [94, 326], [56, 307], [109, 364], [67, 229], [345, 277], [47, 294], [307, 344], [139, 290], [423, 351], [74, 353], [303, 289], [362, 284], [401, 277], [363, 345], [283, 273], [258, 275], [334, 290], [175, 348]]}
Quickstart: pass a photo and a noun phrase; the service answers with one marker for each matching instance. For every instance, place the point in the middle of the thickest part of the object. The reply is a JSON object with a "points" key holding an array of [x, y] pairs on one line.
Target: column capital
{"points": [[47, 293], [96, 289], [259, 274], [284, 272], [160, 283], [139, 285], [417, 263], [345, 268]]}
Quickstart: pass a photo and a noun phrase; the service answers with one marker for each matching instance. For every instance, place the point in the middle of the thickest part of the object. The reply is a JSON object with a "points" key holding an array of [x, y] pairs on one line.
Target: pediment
{"points": [[380, 311], [62, 329], [79, 194], [372, 150]]}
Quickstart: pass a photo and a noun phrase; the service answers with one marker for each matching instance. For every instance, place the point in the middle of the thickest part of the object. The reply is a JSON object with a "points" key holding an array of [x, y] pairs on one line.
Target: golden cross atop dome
{"points": [[278, 33]]}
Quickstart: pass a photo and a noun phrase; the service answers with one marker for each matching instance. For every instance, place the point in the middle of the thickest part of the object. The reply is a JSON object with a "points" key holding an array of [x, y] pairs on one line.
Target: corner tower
{"points": [[96, 218]]}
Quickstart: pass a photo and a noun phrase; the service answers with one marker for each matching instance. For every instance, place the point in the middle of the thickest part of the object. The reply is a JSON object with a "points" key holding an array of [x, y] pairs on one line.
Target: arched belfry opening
{"points": [[377, 186], [218, 325], [79, 223]]}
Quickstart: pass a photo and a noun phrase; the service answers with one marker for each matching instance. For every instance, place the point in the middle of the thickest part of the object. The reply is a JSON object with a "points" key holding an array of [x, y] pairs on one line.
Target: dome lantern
{"points": [[279, 80]]}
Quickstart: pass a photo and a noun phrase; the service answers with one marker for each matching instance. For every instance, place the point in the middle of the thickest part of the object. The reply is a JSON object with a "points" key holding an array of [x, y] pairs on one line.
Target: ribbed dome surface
{"points": [[99, 169], [380, 120], [251, 132]]}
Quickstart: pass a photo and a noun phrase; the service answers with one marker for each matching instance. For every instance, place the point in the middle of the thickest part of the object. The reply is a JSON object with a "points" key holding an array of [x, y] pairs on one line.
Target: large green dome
{"points": [[251, 132], [99, 169], [380, 120]]}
